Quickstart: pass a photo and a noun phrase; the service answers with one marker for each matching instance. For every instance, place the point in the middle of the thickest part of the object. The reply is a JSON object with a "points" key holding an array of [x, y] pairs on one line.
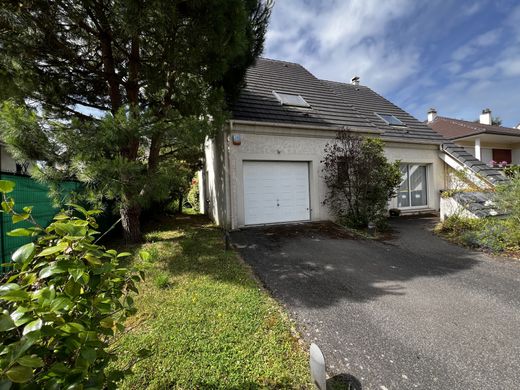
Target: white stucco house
{"points": [[265, 166]]}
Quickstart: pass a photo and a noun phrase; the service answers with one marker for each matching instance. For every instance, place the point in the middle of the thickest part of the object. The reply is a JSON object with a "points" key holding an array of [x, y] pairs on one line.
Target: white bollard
{"points": [[317, 363]]}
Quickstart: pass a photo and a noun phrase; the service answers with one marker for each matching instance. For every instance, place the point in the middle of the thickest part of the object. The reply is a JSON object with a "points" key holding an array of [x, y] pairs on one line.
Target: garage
{"points": [[276, 192]]}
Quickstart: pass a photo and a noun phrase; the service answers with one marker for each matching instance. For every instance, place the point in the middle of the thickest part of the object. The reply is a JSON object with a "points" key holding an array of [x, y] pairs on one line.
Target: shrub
{"points": [[456, 225], [359, 179], [512, 171], [61, 304], [193, 195]]}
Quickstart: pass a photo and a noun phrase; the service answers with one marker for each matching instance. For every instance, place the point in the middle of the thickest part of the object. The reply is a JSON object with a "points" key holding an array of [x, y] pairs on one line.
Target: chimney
{"points": [[432, 114], [354, 80], [485, 117]]}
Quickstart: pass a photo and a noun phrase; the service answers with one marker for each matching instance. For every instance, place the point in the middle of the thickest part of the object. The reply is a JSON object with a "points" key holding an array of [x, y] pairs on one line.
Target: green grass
{"points": [[206, 320]]}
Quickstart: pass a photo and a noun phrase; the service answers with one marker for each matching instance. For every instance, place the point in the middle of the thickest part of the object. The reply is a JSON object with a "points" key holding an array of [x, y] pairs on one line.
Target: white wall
{"points": [[270, 144], [515, 155], [213, 180]]}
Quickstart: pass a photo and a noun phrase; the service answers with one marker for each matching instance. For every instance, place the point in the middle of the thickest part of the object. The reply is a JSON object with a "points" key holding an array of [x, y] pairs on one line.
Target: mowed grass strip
{"points": [[206, 320]]}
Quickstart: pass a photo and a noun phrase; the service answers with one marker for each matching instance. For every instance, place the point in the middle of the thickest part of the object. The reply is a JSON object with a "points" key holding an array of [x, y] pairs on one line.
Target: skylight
{"points": [[292, 100], [390, 119]]}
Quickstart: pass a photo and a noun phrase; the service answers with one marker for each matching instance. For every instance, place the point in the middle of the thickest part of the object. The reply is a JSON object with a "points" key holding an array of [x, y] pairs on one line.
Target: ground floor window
{"points": [[413, 188]]}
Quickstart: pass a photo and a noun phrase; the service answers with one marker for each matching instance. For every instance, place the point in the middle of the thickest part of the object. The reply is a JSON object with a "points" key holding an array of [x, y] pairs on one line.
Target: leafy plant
{"points": [[360, 180], [193, 195], [62, 303]]}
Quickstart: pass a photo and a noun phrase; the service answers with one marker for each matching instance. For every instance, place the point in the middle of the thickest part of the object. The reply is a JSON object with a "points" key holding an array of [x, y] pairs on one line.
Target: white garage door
{"points": [[276, 191]]}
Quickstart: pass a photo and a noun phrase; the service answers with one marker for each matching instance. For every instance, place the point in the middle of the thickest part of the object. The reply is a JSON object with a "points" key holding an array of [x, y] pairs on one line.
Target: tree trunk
{"points": [[130, 218], [180, 202]]}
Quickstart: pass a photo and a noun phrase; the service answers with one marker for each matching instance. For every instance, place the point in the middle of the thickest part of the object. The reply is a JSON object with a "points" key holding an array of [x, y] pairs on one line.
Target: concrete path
{"points": [[412, 312]]}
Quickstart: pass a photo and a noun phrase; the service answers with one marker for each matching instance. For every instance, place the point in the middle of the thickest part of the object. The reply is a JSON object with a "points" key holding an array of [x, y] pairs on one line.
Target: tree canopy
{"points": [[121, 93]]}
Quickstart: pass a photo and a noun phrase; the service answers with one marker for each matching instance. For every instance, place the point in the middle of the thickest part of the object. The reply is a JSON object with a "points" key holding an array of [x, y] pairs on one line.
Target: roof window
{"points": [[292, 100], [390, 119]]}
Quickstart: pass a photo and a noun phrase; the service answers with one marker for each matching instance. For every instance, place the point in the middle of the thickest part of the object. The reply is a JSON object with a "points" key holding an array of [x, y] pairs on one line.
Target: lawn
{"points": [[205, 318]]}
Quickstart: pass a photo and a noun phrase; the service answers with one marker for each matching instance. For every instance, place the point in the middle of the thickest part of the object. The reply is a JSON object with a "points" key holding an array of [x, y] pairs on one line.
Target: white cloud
{"points": [[339, 39], [476, 44]]}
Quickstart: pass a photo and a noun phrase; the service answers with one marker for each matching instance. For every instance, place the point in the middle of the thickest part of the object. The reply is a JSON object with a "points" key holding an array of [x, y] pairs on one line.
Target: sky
{"points": [[457, 56]]}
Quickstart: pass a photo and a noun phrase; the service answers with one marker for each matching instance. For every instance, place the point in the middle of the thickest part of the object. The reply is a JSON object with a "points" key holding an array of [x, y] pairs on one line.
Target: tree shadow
{"points": [[319, 264]]}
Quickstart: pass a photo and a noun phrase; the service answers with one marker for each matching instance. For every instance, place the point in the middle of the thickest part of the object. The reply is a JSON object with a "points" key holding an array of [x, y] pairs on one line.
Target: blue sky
{"points": [[455, 55]]}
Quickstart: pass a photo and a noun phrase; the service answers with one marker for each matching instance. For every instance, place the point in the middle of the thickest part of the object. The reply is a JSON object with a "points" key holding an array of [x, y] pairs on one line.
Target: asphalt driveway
{"points": [[412, 312]]}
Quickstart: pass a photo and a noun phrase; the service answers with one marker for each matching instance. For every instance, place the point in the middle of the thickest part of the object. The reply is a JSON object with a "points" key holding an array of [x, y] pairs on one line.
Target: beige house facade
{"points": [[265, 167]]}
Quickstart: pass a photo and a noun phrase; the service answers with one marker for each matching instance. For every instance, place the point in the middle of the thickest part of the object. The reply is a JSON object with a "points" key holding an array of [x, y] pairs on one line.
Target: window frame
{"points": [[279, 96], [380, 116], [426, 187]]}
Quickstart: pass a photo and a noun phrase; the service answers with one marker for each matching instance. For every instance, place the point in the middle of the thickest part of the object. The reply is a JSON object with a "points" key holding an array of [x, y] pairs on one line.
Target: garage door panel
{"points": [[276, 191]]}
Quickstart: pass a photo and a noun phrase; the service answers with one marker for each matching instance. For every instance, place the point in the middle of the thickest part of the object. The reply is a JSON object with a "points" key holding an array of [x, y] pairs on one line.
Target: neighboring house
{"points": [[265, 167], [487, 142]]}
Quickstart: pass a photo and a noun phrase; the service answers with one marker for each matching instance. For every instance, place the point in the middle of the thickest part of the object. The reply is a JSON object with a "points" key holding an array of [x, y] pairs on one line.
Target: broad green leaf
{"points": [[33, 361], [28, 209], [77, 207], [93, 260], [6, 323], [6, 186], [20, 217], [72, 327], [76, 273], [32, 326], [61, 217], [7, 206], [61, 303], [51, 270], [18, 316], [53, 249], [124, 254], [8, 288], [144, 255], [20, 374], [24, 253], [72, 289], [21, 232]]}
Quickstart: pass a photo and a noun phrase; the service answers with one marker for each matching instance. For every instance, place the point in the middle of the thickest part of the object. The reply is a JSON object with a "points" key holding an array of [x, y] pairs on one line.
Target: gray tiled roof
{"points": [[480, 168], [333, 104], [480, 204]]}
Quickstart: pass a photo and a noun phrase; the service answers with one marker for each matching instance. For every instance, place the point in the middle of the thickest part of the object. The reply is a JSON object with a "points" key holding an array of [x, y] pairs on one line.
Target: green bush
{"points": [[193, 195], [456, 225], [494, 234], [360, 180], [61, 304]]}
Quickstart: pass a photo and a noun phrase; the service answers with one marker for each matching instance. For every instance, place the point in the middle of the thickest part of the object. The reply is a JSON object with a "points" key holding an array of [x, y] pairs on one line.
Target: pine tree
{"points": [[119, 93]]}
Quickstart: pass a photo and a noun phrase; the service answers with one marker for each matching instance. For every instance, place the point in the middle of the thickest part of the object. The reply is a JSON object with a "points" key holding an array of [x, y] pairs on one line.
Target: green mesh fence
{"points": [[28, 192]]}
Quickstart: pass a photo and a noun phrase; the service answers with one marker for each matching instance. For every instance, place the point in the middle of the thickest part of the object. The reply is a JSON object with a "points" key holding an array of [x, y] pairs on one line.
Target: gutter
{"points": [[303, 126]]}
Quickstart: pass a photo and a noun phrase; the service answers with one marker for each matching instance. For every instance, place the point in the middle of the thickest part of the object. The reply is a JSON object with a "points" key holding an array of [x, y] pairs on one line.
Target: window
{"points": [[413, 188], [292, 100], [390, 119]]}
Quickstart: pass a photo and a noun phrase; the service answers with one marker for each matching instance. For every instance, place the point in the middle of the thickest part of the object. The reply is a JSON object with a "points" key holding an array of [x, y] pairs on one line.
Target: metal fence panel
{"points": [[29, 192]]}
